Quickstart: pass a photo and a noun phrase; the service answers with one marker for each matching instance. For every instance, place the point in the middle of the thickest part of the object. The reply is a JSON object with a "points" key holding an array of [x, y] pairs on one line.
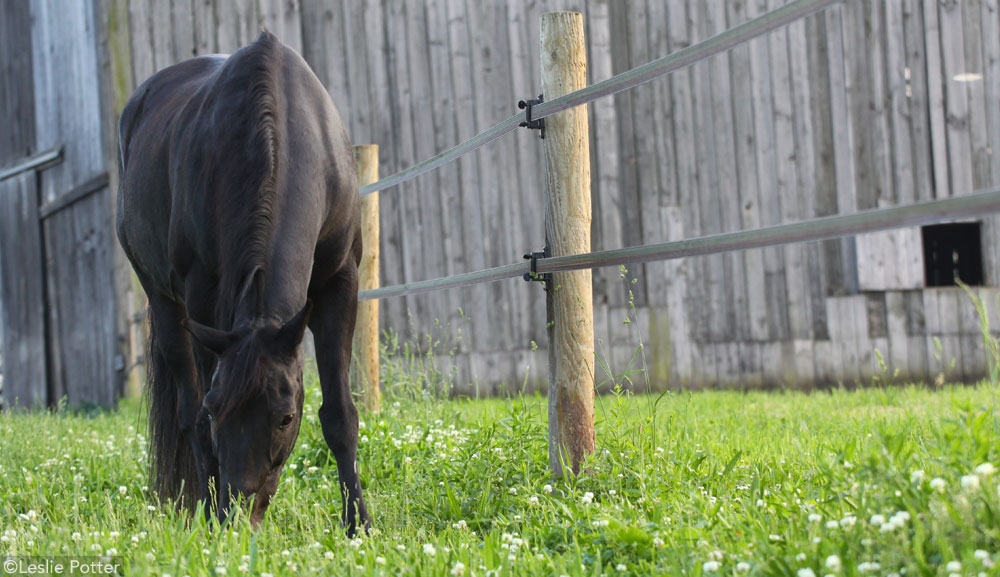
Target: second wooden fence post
{"points": [[569, 301], [366, 330]]}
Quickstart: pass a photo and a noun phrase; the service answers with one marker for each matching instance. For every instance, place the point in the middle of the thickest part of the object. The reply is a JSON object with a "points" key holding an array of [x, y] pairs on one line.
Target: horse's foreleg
{"points": [[333, 328]]}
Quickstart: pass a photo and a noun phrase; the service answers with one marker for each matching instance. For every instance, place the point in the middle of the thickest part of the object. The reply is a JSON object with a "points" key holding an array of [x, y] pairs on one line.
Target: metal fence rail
{"points": [[918, 214], [658, 68]]}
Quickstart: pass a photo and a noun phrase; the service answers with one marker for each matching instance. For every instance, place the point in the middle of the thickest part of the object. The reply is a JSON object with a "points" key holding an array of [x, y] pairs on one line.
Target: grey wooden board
{"points": [[733, 143], [22, 294]]}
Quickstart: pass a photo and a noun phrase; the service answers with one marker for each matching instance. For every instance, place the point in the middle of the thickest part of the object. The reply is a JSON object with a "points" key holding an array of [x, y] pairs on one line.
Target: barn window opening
{"points": [[951, 252]]}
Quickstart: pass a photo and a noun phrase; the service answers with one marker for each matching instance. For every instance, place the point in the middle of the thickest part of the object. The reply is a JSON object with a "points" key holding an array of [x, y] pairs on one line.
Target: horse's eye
{"points": [[285, 422]]}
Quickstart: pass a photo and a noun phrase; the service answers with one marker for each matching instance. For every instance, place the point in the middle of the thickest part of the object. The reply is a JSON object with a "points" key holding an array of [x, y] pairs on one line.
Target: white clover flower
{"points": [[512, 490], [848, 521], [800, 557], [588, 498], [76, 536], [833, 563], [243, 568], [970, 482], [877, 520], [547, 488], [981, 554], [401, 547], [328, 555], [150, 557], [710, 566], [716, 555], [806, 572], [917, 476], [380, 560], [815, 517], [658, 542], [954, 566], [742, 567], [429, 550], [621, 567], [355, 543], [774, 537], [986, 470], [831, 524], [459, 569], [869, 567], [938, 484], [122, 489]]}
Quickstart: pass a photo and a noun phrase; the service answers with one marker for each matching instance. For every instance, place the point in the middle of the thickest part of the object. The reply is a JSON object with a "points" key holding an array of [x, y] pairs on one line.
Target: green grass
{"points": [[772, 481]]}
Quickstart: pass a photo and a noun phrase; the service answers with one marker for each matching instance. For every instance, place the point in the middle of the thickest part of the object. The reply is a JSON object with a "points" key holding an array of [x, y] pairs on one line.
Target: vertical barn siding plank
{"points": [[664, 190], [409, 219], [990, 20], [526, 196], [605, 165], [842, 142], [770, 206], [733, 290], [917, 96], [646, 195], [899, 103], [687, 169], [425, 198], [748, 201], [956, 98], [628, 175], [284, 19], [473, 232], [445, 135], [488, 63], [787, 154], [713, 267], [677, 324], [161, 28], [809, 162], [203, 19], [182, 28], [935, 98], [383, 131], [22, 294], [142, 40], [973, 58]]}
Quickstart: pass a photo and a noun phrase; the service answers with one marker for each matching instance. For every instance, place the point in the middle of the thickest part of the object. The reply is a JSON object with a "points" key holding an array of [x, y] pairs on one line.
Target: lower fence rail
{"points": [[919, 214]]}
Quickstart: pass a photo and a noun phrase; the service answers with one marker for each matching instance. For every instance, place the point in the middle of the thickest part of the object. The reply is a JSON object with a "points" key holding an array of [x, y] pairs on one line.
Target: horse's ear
{"points": [[289, 336], [212, 339]]}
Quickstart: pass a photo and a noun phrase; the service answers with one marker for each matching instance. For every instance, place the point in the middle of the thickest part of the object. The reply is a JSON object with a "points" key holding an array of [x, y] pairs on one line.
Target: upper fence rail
{"points": [[650, 71]]}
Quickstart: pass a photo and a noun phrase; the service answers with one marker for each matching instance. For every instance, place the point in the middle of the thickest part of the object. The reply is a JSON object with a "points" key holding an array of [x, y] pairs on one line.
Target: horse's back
{"points": [[144, 129], [216, 147]]}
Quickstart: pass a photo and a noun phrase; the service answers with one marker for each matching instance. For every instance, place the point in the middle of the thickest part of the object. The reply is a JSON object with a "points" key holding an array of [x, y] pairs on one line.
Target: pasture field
{"points": [[872, 482]]}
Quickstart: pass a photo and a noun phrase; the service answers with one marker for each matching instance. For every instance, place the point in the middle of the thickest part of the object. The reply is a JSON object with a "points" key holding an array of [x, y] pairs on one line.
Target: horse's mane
{"points": [[249, 210]]}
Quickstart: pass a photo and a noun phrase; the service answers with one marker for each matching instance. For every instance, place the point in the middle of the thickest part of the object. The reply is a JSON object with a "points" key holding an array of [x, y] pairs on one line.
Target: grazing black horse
{"points": [[239, 211]]}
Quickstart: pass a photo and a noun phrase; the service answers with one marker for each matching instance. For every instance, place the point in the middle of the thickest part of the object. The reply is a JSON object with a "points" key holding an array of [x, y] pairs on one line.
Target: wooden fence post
{"points": [[569, 300], [366, 331]]}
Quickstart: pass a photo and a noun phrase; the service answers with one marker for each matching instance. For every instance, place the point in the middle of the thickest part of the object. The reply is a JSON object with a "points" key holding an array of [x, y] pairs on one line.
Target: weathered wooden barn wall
{"points": [[852, 109], [59, 303]]}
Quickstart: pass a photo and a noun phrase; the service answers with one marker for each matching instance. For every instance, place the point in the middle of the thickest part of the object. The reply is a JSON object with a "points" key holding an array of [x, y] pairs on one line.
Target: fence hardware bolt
{"points": [[534, 275], [529, 123]]}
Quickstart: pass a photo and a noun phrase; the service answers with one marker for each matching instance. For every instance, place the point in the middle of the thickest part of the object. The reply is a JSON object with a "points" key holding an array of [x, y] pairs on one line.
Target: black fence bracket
{"points": [[529, 123], [534, 275]]}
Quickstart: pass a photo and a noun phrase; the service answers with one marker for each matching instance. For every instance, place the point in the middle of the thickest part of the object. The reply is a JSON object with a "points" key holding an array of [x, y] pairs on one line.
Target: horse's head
{"points": [[254, 407]]}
